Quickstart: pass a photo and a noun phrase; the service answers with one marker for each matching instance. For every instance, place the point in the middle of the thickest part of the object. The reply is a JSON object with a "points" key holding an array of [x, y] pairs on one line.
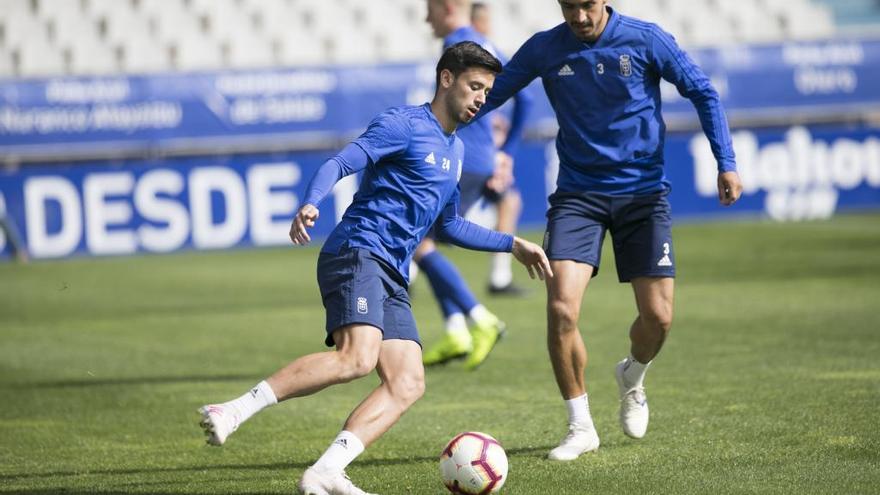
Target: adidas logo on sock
{"points": [[565, 71], [665, 261], [342, 442]]}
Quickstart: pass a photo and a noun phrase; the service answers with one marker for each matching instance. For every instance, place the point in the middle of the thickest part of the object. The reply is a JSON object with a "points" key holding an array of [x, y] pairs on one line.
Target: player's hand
{"points": [[531, 255], [502, 177], [304, 219], [729, 188]]}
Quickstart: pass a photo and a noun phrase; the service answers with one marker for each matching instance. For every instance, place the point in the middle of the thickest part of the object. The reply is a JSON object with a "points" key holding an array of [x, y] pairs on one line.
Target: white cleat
{"points": [[218, 423], [633, 405], [314, 482], [580, 439]]}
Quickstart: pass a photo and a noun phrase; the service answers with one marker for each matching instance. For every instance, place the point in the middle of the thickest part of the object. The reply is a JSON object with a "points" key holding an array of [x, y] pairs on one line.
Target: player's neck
{"points": [[602, 26], [447, 122]]}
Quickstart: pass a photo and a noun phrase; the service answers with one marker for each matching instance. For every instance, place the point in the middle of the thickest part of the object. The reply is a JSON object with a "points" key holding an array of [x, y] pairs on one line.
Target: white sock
{"points": [[413, 272], [579, 411], [255, 400], [479, 313], [456, 323], [634, 372], [344, 449], [502, 273]]}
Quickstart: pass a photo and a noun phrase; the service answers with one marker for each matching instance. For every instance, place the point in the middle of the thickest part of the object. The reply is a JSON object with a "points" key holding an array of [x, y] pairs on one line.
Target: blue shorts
{"points": [[640, 226], [359, 287]]}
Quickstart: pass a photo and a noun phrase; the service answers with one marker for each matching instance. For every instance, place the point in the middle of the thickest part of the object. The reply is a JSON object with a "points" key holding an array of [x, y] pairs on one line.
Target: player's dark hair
{"points": [[466, 55]]}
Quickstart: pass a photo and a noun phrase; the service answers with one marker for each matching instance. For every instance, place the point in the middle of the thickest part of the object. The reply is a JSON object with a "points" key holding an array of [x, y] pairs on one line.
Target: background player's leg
{"points": [[457, 301], [568, 354], [654, 299], [501, 274]]}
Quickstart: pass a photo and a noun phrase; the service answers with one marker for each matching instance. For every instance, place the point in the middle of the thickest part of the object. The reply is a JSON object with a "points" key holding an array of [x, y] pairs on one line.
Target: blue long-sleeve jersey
{"points": [[606, 96], [479, 146], [411, 171]]}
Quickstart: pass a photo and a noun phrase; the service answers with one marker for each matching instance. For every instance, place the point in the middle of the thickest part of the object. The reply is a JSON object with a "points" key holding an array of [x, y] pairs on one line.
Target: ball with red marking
{"points": [[473, 463]]}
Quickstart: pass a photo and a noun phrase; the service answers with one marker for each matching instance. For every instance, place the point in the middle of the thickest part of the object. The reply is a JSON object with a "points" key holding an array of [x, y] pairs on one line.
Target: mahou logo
{"points": [[801, 175]]}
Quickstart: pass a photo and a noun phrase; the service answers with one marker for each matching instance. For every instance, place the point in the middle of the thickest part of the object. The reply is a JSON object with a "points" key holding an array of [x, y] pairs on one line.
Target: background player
{"points": [[488, 173], [412, 160], [601, 72]]}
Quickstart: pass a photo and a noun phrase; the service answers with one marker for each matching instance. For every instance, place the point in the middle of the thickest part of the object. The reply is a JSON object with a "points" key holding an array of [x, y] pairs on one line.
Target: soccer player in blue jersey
{"points": [[601, 72], [487, 174], [412, 159]]}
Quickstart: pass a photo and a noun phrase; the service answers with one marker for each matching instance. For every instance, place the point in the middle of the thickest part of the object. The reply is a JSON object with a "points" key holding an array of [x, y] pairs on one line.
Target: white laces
{"points": [[637, 394]]}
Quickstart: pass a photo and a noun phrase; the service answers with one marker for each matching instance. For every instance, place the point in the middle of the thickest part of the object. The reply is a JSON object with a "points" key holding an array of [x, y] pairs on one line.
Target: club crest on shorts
{"points": [[362, 305], [625, 66]]}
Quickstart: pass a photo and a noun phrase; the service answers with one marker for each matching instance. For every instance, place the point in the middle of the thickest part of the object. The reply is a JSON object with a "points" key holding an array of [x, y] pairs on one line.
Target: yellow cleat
{"points": [[485, 336], [451, 346]]}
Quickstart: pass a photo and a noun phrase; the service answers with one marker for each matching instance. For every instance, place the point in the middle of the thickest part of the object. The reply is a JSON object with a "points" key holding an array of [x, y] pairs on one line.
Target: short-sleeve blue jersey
{"points": [[411, 171], [606, 96], [479, 146]]}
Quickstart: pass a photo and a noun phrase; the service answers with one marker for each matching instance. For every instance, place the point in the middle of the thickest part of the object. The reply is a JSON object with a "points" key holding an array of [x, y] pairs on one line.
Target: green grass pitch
{"points": [[769, 383]]}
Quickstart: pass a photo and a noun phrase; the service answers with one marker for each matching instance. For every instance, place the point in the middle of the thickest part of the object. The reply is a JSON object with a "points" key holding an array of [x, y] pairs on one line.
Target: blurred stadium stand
{"points": [[98, 37]]}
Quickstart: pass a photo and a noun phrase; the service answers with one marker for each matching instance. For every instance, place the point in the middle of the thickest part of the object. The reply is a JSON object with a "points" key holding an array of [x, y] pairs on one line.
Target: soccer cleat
{"points": [[314, 482], [511, 290], [580, 439], [485, 335], [453, 345], [633, 405], [218, 423]]}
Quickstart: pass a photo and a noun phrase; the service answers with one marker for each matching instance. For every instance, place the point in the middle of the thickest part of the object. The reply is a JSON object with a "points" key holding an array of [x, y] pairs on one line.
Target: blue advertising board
{"points": [[248, 200]]}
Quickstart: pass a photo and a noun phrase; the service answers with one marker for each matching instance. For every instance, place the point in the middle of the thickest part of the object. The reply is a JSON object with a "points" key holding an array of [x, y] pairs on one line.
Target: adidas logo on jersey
{"points": [[430, 159], [565, 71], [665, 261]]}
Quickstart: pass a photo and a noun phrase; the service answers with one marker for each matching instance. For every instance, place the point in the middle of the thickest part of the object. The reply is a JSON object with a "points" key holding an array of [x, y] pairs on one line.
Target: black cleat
{"points": [[510, 290]]}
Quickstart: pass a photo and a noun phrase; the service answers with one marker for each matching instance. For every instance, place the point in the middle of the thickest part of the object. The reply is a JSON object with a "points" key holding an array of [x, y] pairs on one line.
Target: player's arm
{"points": [[522, 69], [503, 176], [350, 160], [387, 134], [456, 230], [523, 101], [692, 83]]}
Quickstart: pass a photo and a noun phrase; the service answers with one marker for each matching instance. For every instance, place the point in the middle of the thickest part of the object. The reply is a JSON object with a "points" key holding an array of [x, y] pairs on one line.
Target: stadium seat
{"points": [[7, 64], [38, 58], [249, 51], [300, 48], [20, 26], [66, 32], [196, 53], [123, 26], [89, 56], [143, 55]]}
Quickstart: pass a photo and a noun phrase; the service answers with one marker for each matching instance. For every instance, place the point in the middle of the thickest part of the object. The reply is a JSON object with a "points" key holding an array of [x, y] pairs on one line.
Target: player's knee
{"points": [[358, 364], [659, 318], [408, 388], [562, 316]]}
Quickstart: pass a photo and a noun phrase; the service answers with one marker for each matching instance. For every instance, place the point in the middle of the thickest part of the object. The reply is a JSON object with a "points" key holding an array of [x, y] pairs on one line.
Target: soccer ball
{"points": [[473, 463]]}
